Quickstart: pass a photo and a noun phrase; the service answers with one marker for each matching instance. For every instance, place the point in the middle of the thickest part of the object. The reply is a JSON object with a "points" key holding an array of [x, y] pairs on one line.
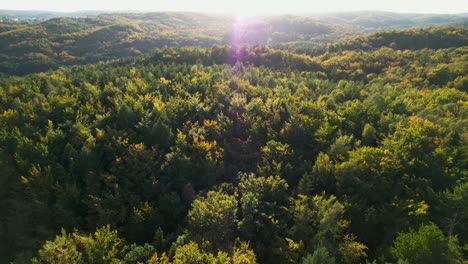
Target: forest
{"points": [[31, 47], [346, 152], [381, 20], [43, 45]]}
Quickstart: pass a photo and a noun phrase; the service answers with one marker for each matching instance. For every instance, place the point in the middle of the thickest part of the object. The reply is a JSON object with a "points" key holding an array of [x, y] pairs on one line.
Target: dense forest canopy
{"points": [[408, 39], [353, 152]]}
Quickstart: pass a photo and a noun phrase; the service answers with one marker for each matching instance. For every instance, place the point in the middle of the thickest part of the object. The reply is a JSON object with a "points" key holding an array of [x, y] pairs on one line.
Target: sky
{"points": [[244, 7]]}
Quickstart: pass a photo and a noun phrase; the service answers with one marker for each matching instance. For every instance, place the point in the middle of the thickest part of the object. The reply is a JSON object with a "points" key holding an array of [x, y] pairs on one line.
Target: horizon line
{"points": [[229, 13]]}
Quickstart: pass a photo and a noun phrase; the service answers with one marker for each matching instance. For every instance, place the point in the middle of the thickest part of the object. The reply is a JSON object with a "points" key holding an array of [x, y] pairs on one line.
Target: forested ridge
{"points": [[378, 20], [43, 45], [356, 153], [29, 47], [408, 39]]}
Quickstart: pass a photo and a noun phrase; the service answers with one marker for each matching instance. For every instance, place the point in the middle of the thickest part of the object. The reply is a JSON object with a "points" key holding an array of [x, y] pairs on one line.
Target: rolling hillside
{"points": [[374, 20], [39, 46]]}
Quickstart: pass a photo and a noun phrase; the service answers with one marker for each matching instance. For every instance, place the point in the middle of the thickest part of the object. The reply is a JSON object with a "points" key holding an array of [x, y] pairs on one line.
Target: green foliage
{"points": [[317, 221], [243, 254], [368, 173], [191, 254], [369, 135], [320, 255], [425, 245], [413, 38], [286, 152], [351, 250], [339, 149], [440, 75], [138, 253], [63, 249], [276, 160], [215, 218], [104, 246], [262, 202], [321, 178]]}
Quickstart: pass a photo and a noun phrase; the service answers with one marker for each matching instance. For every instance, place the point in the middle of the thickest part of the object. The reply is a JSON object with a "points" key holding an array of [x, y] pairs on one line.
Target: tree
{"points": [[351, 250], [369, 135], [440, 75], [321, 178], [422, 149], [425, 245], [213, 218], [137, 253], [263, 212], [317, 221], [320, 256], [63, 249], [191, 253], [339, 149], [275, 160], [243, 254], [104, 246]]}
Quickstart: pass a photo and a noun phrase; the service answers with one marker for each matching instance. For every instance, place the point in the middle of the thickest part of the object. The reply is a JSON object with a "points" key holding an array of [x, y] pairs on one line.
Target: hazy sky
{"points": [[247, 7]]}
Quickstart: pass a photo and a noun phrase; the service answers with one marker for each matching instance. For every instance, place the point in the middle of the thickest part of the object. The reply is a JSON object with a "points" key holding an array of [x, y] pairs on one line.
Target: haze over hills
{"points": [[379, 20], [37, 15], [371, 20], [38, 46], [41, 45]]}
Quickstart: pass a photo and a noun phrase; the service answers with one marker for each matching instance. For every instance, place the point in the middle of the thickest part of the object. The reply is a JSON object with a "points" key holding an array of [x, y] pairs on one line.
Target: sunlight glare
{"points": [[246, 8]]}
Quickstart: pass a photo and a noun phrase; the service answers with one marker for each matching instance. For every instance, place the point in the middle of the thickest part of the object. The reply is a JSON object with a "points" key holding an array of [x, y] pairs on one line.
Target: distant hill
{"points": [[438, 37], [39, 46], [36, 15], [375, 20]]}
